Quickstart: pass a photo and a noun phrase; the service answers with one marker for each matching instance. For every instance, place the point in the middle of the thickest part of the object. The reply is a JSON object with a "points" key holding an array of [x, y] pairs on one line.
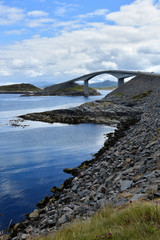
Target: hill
{"points": [[106, 83], [18, 88], [66, 89]]}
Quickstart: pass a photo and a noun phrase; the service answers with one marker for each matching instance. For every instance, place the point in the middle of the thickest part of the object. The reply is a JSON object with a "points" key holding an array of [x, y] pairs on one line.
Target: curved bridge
{"points": [[119, 74]]}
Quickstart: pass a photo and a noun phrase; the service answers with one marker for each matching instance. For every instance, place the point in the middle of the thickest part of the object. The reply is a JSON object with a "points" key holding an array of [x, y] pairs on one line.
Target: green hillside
{"points": [[67, 88]]}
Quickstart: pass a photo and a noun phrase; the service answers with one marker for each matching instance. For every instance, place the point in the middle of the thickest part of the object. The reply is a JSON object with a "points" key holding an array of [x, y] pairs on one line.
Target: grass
{"points": [[142, 95], [76, 89], [79, 88], [136, 221], [121, 94]]}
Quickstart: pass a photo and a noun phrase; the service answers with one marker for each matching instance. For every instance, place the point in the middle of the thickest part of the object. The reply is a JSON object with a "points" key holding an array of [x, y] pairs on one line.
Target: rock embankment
{"points": [[126, 168], [92, 112]]}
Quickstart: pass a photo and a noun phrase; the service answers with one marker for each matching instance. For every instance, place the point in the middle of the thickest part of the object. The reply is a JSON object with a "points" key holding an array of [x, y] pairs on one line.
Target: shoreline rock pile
{"points": [[125, 169]]}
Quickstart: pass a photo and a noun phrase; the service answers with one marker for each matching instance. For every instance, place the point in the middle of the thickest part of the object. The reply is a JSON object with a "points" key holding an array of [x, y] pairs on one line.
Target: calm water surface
{"points": [[32, 158]]}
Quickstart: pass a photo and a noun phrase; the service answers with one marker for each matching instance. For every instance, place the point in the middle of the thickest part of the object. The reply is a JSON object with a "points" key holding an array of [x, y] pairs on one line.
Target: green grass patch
{"points": [[136, 221], [75, 89], [72, 89], [142, 95], [121, 94]]}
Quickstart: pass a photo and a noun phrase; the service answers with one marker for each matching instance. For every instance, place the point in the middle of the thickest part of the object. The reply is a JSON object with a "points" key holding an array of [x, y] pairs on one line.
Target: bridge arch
{"points": [[119, 74]]}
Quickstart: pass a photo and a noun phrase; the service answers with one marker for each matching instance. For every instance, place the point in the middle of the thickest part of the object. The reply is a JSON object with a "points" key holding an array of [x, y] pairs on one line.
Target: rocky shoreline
{"points": [[125, 169]]}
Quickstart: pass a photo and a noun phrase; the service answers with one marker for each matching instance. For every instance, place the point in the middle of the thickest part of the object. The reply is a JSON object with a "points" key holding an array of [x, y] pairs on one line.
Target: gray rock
{"points": [[136, 197], [74, 188], [63, 219], [125, 185], [24, 236], [51, 213], [52, 222]]}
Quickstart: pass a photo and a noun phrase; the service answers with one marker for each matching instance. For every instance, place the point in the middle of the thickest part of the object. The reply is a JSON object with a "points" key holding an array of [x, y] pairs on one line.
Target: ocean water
{"points": [[33, 155]]}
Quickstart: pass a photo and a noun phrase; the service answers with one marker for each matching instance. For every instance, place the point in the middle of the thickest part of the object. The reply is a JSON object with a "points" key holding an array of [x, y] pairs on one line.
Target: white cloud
{"points": [[37, 14], [93, 46], [98, 12], [15, 32], [67, 25], [13, 15], [33, 73], [63, 8], [4, 72], [139, 13], [60, 11], [10, 15], [39, 22], [109, 65], [18, 62]]}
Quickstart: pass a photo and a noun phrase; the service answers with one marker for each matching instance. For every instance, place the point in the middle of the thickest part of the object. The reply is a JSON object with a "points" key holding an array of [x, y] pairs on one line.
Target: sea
{"points": [[33, 154]]}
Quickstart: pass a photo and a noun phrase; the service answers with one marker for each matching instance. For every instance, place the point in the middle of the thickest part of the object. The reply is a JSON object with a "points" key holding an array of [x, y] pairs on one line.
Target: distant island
{"points": [[19, 88], [105, 84]]}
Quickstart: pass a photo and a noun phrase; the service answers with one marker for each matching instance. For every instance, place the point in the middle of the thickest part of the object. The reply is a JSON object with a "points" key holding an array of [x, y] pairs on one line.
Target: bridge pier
{"points": [[86, 89], [120, 82]]}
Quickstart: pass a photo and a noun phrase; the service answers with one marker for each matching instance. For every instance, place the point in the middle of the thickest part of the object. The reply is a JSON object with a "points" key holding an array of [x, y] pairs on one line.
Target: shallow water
{"points": [[32, 159]]}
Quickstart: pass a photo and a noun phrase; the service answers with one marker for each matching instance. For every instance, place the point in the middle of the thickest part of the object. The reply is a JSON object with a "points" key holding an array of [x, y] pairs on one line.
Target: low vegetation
{"points": [[76, 89], [134, 221], [142, 95], [121, 94]]}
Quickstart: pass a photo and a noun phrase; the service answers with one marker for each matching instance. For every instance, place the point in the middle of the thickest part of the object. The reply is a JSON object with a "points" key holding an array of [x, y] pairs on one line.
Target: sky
{"points": [[58, 40]]}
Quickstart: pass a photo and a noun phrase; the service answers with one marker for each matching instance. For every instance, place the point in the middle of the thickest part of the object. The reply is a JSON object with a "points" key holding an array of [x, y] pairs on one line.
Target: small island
{"points": [[18, 88]]}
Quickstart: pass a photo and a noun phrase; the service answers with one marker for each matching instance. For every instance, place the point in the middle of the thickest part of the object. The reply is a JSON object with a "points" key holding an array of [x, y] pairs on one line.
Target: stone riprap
{"points": [[126, 168]]}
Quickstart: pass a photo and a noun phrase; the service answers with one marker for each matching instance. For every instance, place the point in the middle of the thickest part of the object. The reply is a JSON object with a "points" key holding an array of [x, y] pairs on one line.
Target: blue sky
{"points": [[54, 41], [47, 18]]}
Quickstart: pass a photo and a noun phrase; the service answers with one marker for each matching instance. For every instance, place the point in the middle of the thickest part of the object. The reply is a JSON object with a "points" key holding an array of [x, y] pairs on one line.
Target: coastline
{"points": [[120, 171]]}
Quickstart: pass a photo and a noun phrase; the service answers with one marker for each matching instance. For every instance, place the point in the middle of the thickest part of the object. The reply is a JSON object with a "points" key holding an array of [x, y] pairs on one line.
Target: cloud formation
{"points": [[63, 7], [10, 15], [141, 12], [127, 39], [37, 14]]}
